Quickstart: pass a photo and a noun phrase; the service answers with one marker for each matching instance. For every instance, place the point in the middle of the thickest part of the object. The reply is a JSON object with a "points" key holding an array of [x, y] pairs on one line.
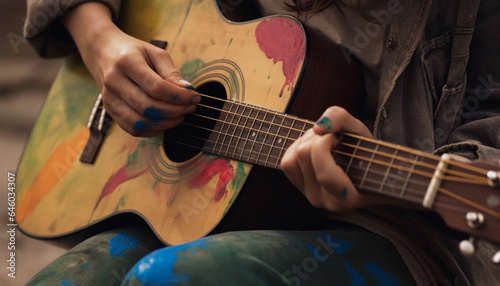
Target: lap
{"points": [[103, 259], [348, 255]]}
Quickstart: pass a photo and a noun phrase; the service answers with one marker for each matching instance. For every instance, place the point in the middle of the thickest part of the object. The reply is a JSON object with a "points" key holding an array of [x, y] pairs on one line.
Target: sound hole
{"points": [[186, 140]]}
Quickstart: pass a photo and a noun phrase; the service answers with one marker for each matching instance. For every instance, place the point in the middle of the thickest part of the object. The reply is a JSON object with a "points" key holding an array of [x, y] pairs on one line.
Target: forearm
{"points": [[88, 24]]}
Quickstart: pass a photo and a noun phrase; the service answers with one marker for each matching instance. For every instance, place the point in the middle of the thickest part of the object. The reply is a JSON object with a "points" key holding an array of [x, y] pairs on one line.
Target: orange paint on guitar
{"points": [[58, 164]]}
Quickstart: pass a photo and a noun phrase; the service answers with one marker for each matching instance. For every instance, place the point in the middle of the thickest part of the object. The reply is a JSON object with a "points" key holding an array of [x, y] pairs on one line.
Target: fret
{"points": [[241, 141], [415, 166], [221, 133], [276, 140], [247, 131], [367, 169], [352, 157], [341, 137], [241, 128], [266, 136], [233, 125], [387, 172], [254, 133], [381, 168], [286, 126], [408, 177]]}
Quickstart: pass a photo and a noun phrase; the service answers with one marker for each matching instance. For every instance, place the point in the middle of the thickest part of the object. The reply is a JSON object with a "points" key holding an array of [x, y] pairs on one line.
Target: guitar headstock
{"points": [[468, 200]]}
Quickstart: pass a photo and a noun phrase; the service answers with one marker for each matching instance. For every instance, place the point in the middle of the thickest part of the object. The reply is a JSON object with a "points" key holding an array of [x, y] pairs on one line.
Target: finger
{"points": [[140, 72], [289, 163], [133, 122], [336, 185], [162, 63], [145, 105], [336, 119]]}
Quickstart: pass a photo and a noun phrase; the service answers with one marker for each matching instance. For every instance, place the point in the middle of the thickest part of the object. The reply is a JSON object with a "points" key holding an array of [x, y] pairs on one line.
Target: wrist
{"points": [[87, 23]]}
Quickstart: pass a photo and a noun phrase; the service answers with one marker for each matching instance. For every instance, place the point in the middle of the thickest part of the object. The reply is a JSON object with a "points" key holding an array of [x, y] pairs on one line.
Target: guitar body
{"points": [[270, 62]]}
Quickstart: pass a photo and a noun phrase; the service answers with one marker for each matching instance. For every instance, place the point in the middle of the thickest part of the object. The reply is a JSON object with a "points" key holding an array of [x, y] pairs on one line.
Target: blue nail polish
{"points": [[196, 99], [139, 125], [187, 84], [153, 113], [325, 122]]}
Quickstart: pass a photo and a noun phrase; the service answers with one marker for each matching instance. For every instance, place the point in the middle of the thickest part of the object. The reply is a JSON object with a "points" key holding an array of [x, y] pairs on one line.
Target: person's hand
{"points": [[309, 165], [141, 89]]}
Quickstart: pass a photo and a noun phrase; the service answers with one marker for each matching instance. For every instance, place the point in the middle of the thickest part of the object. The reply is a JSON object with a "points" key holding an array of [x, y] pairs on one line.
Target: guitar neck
{"points": [[260, 136]]}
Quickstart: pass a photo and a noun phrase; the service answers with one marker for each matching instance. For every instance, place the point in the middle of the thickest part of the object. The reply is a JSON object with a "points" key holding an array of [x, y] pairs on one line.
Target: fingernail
{"points": [[196, 99], [325, 122], [139, 125], [187, 84], [152, 112]]}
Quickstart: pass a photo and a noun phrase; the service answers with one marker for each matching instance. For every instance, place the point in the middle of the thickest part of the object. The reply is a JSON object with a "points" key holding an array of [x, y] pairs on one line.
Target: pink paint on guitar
{"points": [[209, 171], [135, 167], [280, 39]]}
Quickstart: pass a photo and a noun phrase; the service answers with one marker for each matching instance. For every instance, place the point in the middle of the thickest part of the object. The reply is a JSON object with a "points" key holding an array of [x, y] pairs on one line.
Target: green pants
{"points": [[347, 255]]}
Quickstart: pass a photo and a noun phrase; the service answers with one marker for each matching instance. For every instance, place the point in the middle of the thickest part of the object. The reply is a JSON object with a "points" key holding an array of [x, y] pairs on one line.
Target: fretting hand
{"points": [[309, 165]]}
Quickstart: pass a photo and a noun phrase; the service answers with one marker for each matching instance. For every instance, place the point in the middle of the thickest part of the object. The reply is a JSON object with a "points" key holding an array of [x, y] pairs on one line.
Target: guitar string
{"points": [[413, 191], [471, 179], [466, 201], [415, 195], [481, 180], [374, 141], [460, 175], [442, 203], [470, 203]]}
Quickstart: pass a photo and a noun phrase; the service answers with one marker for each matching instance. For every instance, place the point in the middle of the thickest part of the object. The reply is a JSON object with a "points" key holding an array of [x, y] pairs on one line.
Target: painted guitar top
{"points": [[258, 62], [262, 68]]}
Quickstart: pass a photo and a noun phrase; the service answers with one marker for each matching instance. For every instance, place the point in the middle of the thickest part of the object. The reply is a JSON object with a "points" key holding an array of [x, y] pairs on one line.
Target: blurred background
{"points": [[24, 82]]}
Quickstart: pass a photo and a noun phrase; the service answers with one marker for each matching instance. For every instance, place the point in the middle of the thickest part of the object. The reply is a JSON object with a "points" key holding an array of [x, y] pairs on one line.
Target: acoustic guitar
{"points": [[219, 169]]}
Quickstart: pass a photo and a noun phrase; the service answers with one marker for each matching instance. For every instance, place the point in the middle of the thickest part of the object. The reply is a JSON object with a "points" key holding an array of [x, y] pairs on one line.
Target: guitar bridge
{"points": [[99, 122]]}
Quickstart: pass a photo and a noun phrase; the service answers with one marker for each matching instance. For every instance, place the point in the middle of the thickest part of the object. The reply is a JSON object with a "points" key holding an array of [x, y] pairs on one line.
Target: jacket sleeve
{"points": [[477, 131], [44, 30]]}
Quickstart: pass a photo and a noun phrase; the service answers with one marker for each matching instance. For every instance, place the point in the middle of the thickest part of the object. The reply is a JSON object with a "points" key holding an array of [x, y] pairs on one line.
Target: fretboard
{"points": [[260, 136]]}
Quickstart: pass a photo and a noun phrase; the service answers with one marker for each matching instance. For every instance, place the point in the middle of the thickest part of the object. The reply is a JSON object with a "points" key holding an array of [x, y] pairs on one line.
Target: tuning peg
{"points": [[493, 178], [474, 219], [496, 258], [467, 247]]}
